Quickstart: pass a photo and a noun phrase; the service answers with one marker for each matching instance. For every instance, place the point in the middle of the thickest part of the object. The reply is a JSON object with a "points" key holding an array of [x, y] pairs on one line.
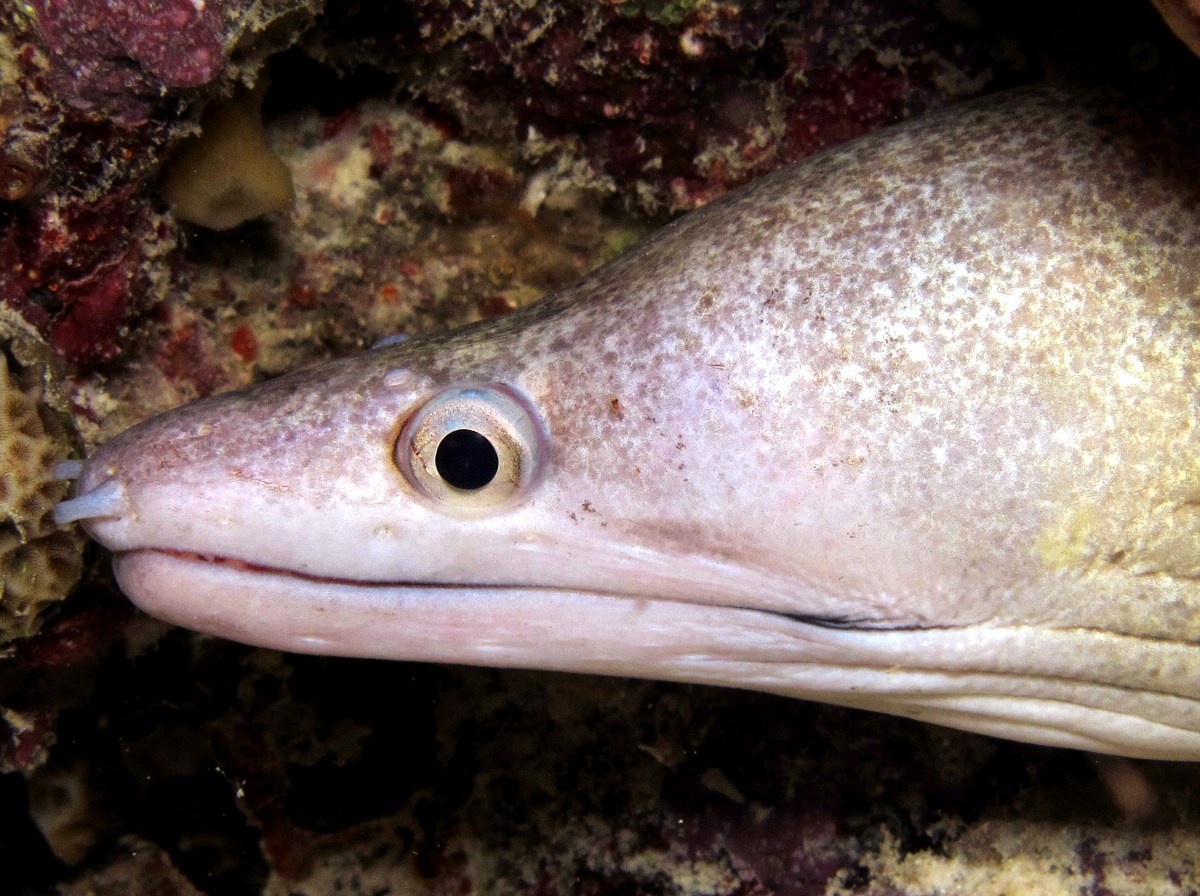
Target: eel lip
{"points": [[289, 610], [200, 560], [527, 627], [197, 559], [246, 566]]}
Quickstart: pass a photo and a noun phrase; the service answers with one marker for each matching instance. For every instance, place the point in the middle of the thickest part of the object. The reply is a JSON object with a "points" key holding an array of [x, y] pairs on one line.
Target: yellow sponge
{"points": [[228, 173], [39, 562]]}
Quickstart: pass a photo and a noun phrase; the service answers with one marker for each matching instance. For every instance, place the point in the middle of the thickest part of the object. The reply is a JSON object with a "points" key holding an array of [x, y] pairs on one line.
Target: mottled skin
{"points": [[910, 426]]}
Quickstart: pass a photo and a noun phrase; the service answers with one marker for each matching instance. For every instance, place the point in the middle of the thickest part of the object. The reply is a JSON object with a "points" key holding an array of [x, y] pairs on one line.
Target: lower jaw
{"points": [[572, 631]]}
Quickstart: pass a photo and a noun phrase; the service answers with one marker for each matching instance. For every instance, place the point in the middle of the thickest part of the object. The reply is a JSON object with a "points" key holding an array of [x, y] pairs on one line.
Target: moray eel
{"points": [[909, 426]]}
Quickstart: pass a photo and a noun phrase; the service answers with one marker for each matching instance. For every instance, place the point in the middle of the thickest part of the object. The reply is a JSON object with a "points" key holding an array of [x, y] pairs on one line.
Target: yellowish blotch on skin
{"points": [[228, 174], [1165, 540], [1170, 541], [1070, 540]]}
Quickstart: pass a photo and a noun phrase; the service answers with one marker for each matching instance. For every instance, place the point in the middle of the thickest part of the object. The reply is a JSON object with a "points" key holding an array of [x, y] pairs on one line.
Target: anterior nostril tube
{"points": [[105, 500]]}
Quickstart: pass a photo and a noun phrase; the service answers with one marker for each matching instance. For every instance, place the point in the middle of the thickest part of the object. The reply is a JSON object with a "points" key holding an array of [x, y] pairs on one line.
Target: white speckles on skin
{"points": [[961, 313], [916, 351], [941, 384]]}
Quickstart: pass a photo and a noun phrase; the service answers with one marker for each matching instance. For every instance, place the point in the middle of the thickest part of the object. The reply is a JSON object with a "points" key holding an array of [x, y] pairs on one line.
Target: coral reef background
{"points": [[198, 194]]}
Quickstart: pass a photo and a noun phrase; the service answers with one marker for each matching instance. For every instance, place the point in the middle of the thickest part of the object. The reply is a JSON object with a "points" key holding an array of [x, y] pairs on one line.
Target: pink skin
{"points": [[839, 436]]}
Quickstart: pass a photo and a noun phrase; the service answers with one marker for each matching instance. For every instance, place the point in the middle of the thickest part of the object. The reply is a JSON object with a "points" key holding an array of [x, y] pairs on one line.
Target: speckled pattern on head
{"points": [[911, 426]]}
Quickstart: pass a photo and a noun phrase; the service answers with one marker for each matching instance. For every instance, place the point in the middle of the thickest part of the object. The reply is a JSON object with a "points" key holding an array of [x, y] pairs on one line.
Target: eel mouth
{"points": [[539, 626], [246, 566], [200, 560], [532, 625], [238, 565]]}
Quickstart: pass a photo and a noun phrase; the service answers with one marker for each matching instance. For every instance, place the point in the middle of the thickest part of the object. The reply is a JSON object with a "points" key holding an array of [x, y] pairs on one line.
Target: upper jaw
{"points": [[364, 530]]}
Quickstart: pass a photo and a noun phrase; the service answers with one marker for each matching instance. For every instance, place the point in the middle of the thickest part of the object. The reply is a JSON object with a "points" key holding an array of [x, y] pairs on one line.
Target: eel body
{"points": [[909, 426]]}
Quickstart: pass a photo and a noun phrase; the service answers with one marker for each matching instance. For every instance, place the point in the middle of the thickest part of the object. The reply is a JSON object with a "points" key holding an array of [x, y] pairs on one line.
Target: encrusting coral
{"points": [[40, 562]]}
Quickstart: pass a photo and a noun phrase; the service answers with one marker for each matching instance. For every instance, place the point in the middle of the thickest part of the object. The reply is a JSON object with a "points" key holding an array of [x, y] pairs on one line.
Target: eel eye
{"points": [[472, 449]]}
